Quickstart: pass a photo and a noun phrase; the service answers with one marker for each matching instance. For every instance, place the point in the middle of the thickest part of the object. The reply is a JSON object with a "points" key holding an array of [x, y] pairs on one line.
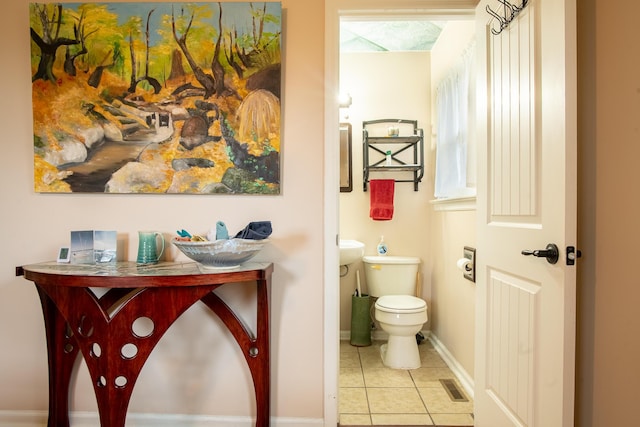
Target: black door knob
{"points": [[551, 253]]}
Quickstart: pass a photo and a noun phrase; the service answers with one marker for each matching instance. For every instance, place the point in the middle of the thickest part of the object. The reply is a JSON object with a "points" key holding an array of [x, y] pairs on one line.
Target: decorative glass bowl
{"points": [[223, 254]]}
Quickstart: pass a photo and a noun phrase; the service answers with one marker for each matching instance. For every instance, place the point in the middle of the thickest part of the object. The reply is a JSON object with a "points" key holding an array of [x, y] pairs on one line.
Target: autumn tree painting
{"points": [[156, 97]]}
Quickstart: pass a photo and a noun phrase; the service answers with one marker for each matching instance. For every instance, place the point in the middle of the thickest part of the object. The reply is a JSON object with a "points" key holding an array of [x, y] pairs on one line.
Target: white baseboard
{"points": [[90, 419], [463, 376], [23, 418]]}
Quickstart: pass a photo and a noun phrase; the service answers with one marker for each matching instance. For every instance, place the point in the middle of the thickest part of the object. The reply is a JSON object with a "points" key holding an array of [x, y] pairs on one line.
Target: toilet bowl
{"points": [[392, 280]]}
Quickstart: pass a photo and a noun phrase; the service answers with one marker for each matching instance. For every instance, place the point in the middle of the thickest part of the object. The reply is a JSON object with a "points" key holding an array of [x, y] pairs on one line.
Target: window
{"points": [[453, 121]]}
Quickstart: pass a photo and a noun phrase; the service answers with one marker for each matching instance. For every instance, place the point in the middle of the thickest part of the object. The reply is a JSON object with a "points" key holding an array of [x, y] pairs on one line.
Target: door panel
{"points": [[512, 60], [525, 317], [513, 304]]}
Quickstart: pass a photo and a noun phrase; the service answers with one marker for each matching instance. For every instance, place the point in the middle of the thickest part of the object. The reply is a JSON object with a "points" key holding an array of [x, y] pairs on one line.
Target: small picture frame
{"points": [[346, 172], [64, 255]]}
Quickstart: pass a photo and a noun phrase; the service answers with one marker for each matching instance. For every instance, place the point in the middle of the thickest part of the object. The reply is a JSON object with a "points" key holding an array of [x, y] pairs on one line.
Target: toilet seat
{"points": [[400, 304]]}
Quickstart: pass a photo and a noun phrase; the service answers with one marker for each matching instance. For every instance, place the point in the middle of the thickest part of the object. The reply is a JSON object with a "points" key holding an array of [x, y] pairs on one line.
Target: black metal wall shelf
{"points": [[410, 138]]}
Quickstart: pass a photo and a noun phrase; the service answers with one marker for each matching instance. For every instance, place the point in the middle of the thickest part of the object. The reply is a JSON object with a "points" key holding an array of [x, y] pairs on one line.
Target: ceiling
{"points": [[381, 36]]}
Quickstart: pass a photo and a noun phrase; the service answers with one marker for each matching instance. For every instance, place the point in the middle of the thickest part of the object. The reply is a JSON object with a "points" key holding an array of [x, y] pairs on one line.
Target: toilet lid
{"points": [[400, 303]]}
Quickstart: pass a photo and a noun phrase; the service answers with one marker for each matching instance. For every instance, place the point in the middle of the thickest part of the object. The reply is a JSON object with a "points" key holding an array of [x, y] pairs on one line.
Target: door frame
{"points": [[334, 10], [331, 193]]}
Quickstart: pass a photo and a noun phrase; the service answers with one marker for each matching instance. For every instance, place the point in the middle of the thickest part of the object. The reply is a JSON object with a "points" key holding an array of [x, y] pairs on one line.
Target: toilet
{"points": [[392, 280]]}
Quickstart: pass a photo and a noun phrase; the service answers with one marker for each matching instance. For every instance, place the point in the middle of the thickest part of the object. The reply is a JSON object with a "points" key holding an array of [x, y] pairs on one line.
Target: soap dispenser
{"points": [[387, 160], [382, 247]]}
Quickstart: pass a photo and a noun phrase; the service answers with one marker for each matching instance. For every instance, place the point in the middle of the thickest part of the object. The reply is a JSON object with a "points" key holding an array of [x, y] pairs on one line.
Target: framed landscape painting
{"points": [[156, 97]]}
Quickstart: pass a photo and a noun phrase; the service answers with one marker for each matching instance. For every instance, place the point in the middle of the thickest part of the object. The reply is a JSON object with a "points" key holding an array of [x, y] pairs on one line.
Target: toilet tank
{"points": [[391, 275]]}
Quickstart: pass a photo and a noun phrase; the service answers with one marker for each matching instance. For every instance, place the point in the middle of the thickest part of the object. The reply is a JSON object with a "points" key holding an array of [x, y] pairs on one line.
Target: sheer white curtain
{"points": [[452, 129]]}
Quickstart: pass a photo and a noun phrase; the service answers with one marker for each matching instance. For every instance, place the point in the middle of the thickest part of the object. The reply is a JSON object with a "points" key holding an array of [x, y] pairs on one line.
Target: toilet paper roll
{"points": [[464, 264]]}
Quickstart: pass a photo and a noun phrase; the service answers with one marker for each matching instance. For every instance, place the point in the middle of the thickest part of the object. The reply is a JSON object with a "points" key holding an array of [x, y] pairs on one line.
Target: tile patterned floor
{"points": [[374, 395]]}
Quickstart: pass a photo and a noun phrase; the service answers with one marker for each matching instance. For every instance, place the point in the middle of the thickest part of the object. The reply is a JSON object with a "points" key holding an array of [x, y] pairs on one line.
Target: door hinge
{"points": [[572, 255]]}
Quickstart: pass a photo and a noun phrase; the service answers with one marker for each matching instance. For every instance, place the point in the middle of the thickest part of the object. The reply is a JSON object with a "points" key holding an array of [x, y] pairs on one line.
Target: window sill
{"points": [[454, 204]]}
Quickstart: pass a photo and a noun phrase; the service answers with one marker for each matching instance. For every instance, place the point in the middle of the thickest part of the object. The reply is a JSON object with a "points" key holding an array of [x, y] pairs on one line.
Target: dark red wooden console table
{"points": [[116, 332]]}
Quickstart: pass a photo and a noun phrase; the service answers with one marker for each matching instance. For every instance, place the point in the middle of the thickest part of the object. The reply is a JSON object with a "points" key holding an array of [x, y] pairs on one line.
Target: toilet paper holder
{"points": [[468, 263]]}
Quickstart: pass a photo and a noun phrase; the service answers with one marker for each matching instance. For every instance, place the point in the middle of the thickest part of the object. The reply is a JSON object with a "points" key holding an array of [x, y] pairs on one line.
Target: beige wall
{"points": [[609, 208], [196, 369], [453, 308]]}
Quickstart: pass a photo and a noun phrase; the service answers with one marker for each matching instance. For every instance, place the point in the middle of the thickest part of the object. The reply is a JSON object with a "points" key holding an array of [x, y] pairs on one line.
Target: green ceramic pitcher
{"points": [[148, 247]]}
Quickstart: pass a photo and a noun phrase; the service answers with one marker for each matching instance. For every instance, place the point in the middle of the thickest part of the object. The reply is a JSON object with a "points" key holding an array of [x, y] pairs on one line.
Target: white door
{"points": [[525, 324]]}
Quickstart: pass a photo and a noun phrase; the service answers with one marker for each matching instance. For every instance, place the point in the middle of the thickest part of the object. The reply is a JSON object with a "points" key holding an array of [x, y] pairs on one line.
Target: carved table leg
{"points": [[62, 353], [103, 340], [254, 348], [262, 371]]}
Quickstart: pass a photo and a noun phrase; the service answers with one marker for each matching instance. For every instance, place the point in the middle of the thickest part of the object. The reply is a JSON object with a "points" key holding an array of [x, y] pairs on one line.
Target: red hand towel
{"points": [[381, 199]]}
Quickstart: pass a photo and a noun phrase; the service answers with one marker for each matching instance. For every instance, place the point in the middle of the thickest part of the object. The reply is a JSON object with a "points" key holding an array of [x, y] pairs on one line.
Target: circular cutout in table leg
{"points": [[120, 381], [129, 351], [102, 381], [68, 332], [96, 350], [142, 327]]}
